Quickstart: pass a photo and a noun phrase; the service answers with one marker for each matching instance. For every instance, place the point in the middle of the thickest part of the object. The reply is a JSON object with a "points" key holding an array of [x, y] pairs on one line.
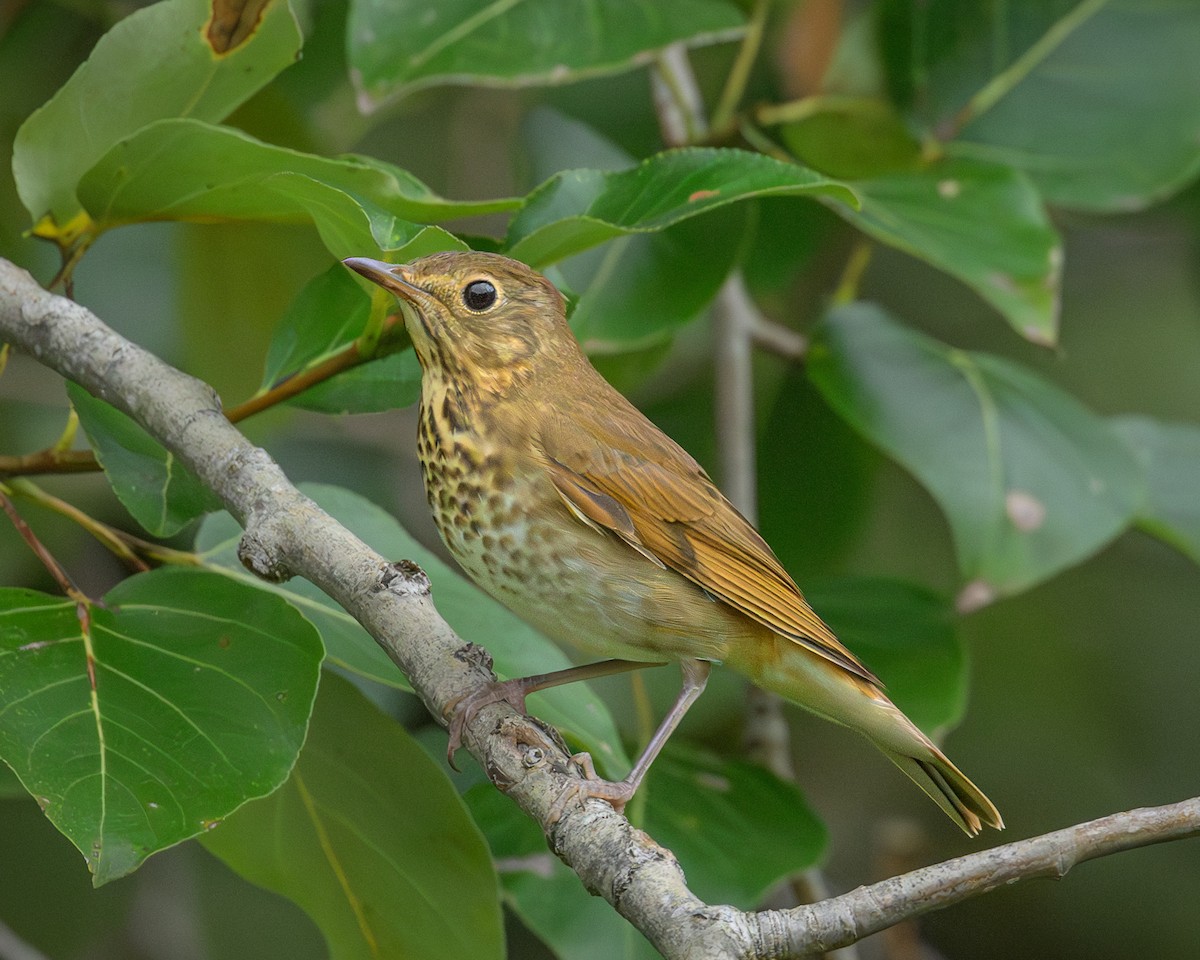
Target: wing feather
{"points": [[645, 489]]}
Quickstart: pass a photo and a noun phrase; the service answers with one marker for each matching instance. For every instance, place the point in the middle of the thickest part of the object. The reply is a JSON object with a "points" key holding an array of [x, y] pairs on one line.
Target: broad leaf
{"points": [[1170, 456], [371, 840], [1030, 480], [167, 60], [647, 286], [326, 316], [159, 492], [979, 222], [578, 209], [185, 695], [518, 650], [852, 137], [1094, 99], [188, 170], [397, 46], [735, 828], [906, 634], [635, 291]]}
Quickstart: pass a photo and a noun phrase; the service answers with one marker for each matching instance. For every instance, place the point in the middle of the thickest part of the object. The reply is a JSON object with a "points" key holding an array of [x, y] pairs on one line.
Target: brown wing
{"points": [[622, 474]]}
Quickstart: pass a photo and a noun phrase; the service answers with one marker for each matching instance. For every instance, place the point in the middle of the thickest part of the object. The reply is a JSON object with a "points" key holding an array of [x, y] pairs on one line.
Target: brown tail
{"points": [[963, 802]]}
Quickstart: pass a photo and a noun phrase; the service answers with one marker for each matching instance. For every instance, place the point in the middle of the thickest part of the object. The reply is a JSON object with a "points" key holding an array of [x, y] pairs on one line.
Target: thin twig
{"points": [[345, 359], [739, 73], [859, 913], [49, 461], [677, 100], [733, 323], [1003, 82], [778, 339], [852, 274], [109, 537], [53, 567]]}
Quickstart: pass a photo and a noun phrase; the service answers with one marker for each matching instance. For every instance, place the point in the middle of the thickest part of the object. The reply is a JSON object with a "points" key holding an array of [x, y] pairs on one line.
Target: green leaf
{"points": [[815, 480], [647, 286], [979, 222], [187, 695], [184, 169], [159, 492], [851, 137], [370, 839], [1032, 85], [326, 316], [158, 62], [545, 893], [907, 635], [735, 828], [578, 209], [1170, 456], [636, 291], [517, 649], [397, 46], [1030, 480]]}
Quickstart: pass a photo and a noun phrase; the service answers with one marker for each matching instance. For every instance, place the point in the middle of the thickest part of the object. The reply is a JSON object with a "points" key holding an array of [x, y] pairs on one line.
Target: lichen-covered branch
{"points": [[286, 535]]}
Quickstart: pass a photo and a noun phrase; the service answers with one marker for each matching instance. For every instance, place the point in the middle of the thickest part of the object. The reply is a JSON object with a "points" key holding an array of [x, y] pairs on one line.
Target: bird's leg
{"points": [[513, 692], [695, 677]]}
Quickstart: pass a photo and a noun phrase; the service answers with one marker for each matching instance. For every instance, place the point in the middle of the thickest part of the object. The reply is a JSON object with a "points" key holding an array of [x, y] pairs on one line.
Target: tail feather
{"points": [[950, 789], [813, 682]]}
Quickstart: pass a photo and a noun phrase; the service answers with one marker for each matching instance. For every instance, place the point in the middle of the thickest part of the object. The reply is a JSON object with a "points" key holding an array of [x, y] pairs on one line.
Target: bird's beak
{"points": [[390, 276], [415, 302]]}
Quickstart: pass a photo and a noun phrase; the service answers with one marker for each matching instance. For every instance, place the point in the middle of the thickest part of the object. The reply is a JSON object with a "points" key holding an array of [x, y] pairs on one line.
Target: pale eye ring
{"points": [[479, 295]]}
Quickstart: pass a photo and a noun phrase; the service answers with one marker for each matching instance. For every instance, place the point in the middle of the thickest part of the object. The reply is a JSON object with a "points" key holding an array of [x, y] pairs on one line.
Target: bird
{"points": [[558, 497]]}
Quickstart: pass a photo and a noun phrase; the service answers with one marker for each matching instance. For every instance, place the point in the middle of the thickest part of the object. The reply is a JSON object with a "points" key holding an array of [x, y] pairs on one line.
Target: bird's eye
{"points": [[479, 294]]}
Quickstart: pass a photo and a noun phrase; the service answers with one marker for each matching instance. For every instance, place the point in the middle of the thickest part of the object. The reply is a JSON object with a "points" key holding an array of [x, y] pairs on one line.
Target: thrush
{"points": [[561, 500]]}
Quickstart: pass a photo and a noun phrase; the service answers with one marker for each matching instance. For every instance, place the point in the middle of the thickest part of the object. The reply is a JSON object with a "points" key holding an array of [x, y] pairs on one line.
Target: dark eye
{"points": [[479, 295]]}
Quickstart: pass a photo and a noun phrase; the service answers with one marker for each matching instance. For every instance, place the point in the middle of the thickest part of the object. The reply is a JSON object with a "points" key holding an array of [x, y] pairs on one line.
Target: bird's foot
{"points": [[463, 710], [618, 792]]}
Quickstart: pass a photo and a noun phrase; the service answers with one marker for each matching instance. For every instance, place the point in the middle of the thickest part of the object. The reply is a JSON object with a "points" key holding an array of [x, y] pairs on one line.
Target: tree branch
{"points": [[867, 910], [288, 535]]}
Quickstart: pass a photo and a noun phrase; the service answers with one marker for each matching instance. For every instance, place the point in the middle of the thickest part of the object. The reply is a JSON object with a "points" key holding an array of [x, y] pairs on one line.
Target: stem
{"points": [[1002, 83], [733, 321], [66, 273], [677, 99], [739, 73], [110, 538], [778, 339], [296, 384], [55, 569], [67, 439], [49, 461], [762, 143], [773, 114], [644, 714], [856, 266]]}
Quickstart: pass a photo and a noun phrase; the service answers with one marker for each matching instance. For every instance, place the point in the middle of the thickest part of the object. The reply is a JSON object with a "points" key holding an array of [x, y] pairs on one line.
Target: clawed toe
{"points": [[462, 711], [618, 793]]}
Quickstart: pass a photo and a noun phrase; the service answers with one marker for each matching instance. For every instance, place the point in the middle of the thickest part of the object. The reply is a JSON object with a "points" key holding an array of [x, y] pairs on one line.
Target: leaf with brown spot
{"points": [[1030, 480], [233, 22]]}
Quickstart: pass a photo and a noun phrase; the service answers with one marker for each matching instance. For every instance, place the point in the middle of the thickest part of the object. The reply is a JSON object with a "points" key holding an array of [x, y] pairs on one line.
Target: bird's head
{"points": [[475, 314]]}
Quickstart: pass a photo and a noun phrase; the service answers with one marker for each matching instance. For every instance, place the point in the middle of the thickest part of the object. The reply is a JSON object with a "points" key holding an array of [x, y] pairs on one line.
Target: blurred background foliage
{"points": [[1027, 230]]}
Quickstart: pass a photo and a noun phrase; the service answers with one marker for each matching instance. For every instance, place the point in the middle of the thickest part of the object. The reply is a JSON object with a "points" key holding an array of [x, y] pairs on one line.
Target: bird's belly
{"points": [[584, 587]]}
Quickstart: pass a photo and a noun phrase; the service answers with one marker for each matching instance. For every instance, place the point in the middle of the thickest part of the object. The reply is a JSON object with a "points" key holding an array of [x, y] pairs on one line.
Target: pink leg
{"points": [[695, 676], [513, 692]]}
